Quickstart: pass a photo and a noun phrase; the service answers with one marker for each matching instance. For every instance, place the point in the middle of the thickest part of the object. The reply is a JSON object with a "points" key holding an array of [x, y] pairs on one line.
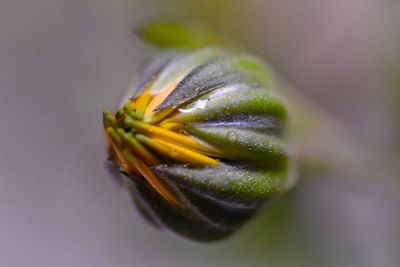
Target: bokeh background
{"points": [[63, 61]]}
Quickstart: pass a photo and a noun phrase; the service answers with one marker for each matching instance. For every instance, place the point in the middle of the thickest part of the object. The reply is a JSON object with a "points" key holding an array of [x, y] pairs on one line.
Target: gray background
{"points": [[63, 62]]}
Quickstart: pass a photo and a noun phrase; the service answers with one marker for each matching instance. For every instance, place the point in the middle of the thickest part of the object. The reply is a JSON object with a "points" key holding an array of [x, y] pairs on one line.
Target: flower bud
{"points": [[202, 140]]}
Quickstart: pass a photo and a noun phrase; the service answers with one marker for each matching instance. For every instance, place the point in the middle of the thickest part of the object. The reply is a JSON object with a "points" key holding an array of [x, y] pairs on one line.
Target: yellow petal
{"points": [[152, 179], [168, 135], [176, 152], [159, 98]]}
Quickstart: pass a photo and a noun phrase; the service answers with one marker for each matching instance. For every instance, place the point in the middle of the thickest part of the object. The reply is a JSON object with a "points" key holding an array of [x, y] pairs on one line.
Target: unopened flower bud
{"points": [[202, 140]]}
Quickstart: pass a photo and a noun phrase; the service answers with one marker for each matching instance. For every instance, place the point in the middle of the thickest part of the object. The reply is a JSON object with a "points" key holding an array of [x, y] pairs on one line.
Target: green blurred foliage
{"points": [[178, 35]]}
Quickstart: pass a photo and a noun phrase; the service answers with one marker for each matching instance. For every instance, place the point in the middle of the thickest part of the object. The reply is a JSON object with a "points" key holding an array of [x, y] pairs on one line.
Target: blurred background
{"points": [[62, 62]]}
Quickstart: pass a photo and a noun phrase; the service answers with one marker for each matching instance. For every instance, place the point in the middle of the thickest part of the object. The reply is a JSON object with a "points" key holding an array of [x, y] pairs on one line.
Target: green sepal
{"points": [[188, 223], [242, 185], [154, 66], [216, 74], [234, 102], [239, 143], [222, 213], [183, 64]]}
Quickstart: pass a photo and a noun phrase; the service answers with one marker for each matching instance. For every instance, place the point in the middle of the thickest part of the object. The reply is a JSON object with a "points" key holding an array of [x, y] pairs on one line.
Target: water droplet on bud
{"points": [[232, 136]]}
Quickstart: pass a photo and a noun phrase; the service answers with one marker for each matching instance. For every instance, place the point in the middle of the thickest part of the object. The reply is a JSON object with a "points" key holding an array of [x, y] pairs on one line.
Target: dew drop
{"points": [[200, 104], [232, 136]]}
